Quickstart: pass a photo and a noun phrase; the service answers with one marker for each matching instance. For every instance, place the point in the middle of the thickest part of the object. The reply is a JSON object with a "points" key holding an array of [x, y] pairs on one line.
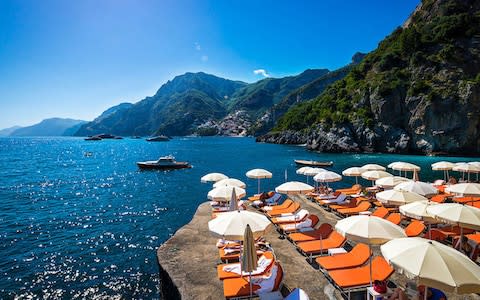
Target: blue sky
{"points": [[77, 58]]}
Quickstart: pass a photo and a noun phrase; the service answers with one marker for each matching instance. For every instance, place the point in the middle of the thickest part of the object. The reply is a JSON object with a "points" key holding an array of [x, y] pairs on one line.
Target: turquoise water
{"points": [[78, 226]]}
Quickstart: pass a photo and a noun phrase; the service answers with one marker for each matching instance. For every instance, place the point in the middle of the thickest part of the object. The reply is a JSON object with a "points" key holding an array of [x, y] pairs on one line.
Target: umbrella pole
{"points": [[250, 280], [425, 292], [356, 179], [259, 185], [370, 258]]}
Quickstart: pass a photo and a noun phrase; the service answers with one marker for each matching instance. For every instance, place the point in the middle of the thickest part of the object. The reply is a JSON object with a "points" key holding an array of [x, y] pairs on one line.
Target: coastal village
{"points": [[393, 239]]}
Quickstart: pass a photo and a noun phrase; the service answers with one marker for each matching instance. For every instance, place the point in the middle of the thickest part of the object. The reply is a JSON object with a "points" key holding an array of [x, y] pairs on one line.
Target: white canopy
{"points": [[224, 193], [373, 167], [213, 177], [327, 176], [231, 225], [230, 181], [394, 197], [294, 187], [419, 187]]}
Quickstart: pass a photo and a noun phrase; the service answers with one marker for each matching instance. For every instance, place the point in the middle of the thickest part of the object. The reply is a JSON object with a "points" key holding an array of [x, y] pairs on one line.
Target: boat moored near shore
{"points": [[163, 163], [313, 163]]}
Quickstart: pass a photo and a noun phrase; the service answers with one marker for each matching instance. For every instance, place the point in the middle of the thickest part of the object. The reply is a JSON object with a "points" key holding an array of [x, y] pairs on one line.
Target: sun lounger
{"points": [[395, 218], [324, 231], [229, 254], [464, 200], [261, 196], [356, 257], [359, 278], [335, 200], [362, 206], [265, 261], [435, 235], [380, 212], [297, 217], [310, 222], [348, 204], [474, 204], [290, 210], [240, 287], [440, 198], [355, 189], [314, 247], [415, 228], [284, 205], [451, 231]]}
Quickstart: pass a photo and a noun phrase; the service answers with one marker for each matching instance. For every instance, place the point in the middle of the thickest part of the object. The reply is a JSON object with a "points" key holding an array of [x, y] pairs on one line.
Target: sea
{"points": [[78, 219]]}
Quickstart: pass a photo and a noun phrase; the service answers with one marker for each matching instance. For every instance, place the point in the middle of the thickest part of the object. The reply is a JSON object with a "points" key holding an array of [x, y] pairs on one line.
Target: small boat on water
{"points": [[163, 163], [313, 163], [160, 138], [93, 138]]}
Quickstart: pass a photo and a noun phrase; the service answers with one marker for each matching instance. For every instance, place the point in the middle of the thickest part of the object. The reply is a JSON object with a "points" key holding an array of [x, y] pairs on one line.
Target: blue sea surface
{"points": [[78, 219]]}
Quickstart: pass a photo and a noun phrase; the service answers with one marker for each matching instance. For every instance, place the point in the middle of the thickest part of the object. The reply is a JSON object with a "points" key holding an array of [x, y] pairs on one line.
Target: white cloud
{"points": [[262, 72], [204, 58], [198, 47]]}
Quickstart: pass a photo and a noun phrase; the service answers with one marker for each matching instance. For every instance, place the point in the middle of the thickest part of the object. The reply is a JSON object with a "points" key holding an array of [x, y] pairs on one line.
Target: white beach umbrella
{"points": [[404, 166], [294, 187], [259, 174], [418, 210], [393, 197], [475, 163], [233, 205], [464, 189], [313, 171], [391, 181], [327, 176], [230, 181], [373, 167], [224, 193], [433, 264], [419, 187], [369, 230], [465, 216], [213, 177], [231, 225], [444, 166], [353, 172], [375, 174], [467, 168], [302, 170]]}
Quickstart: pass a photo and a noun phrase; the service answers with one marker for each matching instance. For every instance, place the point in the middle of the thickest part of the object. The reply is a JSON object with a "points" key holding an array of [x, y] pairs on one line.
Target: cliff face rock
{"points": [[418, 92]]}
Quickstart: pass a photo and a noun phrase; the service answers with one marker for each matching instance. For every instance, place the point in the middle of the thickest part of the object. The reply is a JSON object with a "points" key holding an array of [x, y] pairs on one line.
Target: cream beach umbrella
{"points": [[465, 216], [259, 174], [224, 193], [467, 168], [404, 166], [419, 187], [464, 189], [231, 225], [375, 174], [373, 167], [475, 163], [249, 255], [418, 210], [390, 182], [444, 166], [353, 172], [230, 181], [394, 197], [304, 171], [314, 171], [326, 177], [213, 177], [294, 187], [433, 264], [369, 230]]}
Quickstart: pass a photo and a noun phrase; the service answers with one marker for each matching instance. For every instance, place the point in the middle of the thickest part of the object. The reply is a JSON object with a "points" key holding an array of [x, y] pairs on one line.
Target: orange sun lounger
{"points": [[358, 278], [240, 287], [234, 255], [324, 230], [292, 227], [355, 189], [356, 257], [289, 210], [352, 203], [415, 228], [380, 212], [300, 216], [272, 208], [222, 274], [395, 218], [313, 247], [362, 206]]}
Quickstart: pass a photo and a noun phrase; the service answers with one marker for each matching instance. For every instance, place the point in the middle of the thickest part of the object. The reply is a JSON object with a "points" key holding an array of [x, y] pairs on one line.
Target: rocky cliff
{"points": [[418, 92]]}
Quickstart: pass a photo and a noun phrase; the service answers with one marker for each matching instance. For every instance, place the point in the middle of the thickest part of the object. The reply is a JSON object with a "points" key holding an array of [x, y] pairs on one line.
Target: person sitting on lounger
{"points": [[433, 294], [464, 247], [452, 180]]}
